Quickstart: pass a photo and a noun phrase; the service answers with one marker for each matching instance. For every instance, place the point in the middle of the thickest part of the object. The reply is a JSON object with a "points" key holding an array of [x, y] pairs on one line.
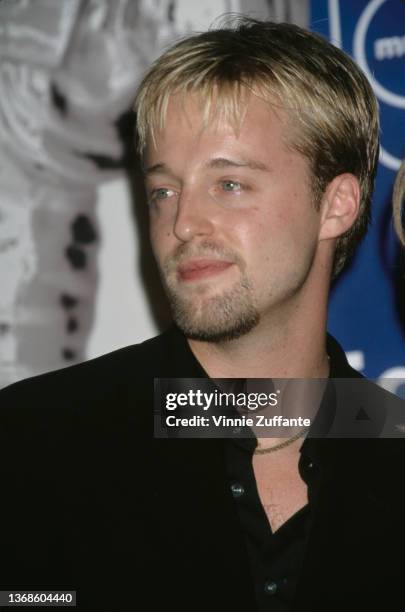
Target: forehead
{"points": [[192, 125]]}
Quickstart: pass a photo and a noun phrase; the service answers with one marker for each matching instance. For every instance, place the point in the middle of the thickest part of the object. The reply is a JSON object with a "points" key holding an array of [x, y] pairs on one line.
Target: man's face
{"points": [[234, 228]]}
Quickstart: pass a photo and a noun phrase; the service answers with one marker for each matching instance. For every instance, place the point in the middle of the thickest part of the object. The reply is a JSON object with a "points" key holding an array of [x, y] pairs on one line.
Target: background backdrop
{"points": [[77, 279]]}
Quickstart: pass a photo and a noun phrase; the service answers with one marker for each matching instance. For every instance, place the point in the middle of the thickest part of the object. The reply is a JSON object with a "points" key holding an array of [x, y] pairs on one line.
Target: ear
{"points": [[340, 206]]}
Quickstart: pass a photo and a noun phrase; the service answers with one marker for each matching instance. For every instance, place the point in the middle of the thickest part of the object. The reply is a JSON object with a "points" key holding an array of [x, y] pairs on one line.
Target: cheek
{"points": [[163, 242], [296, 219], [161, 222], [273, 239], [253, 236], [159, 235]]}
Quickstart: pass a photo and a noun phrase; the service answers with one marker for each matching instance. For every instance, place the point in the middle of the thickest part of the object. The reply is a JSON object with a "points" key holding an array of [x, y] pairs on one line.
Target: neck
{"points": [[266, 355], [290, 342]]}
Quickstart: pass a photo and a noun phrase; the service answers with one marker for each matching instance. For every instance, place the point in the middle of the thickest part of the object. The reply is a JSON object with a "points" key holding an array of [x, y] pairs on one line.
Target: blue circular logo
{"points": [[379, 48]]}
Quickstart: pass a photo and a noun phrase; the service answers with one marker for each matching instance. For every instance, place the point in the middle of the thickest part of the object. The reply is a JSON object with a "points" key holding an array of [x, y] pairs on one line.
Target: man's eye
{"points": [[161, 194], [231, 186]]}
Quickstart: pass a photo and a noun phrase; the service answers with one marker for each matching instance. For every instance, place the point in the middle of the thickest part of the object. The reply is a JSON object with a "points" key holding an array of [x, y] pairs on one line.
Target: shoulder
{"points": [[106, 380], [364, 409], [367, 410], [366, 439]]}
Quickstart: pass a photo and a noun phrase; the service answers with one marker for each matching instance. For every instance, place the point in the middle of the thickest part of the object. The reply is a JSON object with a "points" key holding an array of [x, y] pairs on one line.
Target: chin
{"points": [[216, 321], [216, 335], [224, 316]]}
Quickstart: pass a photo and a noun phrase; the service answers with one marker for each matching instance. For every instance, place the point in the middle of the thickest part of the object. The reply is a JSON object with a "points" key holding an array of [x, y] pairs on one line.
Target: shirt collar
{"points": [[182, 363]]}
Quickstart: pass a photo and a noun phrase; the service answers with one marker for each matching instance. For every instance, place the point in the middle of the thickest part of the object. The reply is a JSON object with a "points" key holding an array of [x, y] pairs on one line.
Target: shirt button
{"points": [[237, 490], [270, 587], [237, 430]]}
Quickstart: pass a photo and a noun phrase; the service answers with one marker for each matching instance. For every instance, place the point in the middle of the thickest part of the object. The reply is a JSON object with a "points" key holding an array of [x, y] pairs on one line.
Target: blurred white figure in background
{"points": [[68, 72]]}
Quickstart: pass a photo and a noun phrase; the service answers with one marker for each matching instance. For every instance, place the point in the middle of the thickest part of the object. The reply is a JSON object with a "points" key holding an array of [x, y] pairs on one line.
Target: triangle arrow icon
{"points": [[362, 415]]}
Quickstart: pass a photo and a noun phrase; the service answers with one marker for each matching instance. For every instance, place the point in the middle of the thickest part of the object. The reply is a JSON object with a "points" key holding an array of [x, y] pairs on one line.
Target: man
{"points": [[259, 143]]}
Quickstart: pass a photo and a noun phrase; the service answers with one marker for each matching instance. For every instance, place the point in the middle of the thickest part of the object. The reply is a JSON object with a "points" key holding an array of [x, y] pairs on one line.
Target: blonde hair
{"points": [[399, 202], [331, 104]]}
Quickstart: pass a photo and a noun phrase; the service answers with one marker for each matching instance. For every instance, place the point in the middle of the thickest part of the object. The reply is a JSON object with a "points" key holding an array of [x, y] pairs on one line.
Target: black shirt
{"points": [[276, 558]]}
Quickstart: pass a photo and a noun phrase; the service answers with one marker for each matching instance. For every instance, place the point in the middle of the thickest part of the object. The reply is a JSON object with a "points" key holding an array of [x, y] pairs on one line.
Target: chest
{"points": [[281, 490]]}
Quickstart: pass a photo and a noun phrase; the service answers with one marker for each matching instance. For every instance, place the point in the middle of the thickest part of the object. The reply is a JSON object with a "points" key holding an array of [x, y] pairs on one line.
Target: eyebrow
{"points": [[155, 169], [216, 162], [223, 162]]}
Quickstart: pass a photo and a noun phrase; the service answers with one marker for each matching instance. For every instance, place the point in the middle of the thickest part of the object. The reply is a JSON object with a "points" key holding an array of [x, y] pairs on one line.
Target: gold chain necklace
{"points": [[271, 449]]}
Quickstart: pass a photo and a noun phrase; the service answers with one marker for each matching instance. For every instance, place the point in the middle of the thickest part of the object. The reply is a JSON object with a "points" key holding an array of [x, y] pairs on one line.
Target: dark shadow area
{"points": [[145, 260], [393, 260]]}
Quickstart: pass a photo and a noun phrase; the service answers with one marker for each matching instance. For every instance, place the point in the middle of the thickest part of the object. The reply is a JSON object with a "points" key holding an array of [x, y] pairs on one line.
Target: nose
{"points": [[194, 217]]}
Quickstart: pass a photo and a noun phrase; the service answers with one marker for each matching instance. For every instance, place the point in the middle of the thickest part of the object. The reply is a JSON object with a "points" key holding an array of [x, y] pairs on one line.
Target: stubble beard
{"points": [[215, 318]]}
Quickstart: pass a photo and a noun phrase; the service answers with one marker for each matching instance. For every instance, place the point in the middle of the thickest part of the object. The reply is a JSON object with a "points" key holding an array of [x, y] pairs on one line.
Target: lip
{"points": [[195, 269]]}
